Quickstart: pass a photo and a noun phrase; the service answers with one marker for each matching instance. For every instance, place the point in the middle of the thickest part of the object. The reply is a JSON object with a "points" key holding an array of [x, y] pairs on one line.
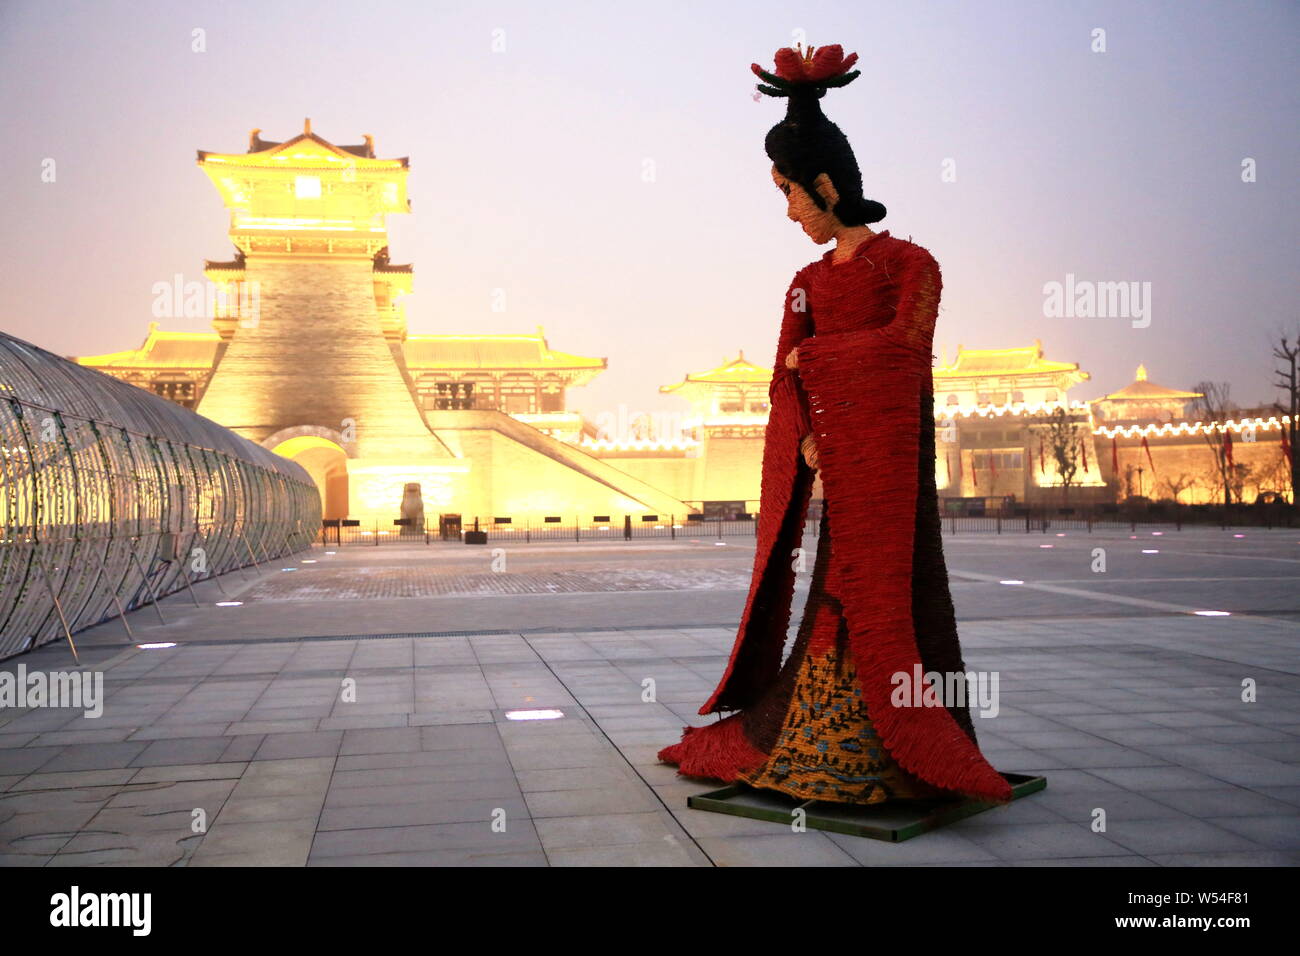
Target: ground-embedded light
{"points": [[534, 714]]}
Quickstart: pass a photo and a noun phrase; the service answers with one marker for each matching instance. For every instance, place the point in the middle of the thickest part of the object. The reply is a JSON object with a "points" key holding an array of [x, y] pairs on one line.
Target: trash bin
{"points": [[476, 536]]}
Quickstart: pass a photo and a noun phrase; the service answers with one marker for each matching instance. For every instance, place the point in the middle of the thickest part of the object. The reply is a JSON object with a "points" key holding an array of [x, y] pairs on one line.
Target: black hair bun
{"points": [[806, 144]]}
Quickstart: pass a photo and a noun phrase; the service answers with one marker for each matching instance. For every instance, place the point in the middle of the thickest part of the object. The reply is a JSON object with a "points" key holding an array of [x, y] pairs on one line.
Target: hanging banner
{"points": [[1148, 450]]}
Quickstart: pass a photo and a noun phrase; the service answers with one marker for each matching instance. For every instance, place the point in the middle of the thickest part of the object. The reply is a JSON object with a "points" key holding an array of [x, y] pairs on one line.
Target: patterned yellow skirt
{"points": [[825, 746]]}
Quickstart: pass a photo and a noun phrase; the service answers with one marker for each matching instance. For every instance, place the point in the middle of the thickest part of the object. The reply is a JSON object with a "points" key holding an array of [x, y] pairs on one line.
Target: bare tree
{"points": [[1062, 437], [1288, 380], [1213, 407], [1176, 486], [1241, 473], [1274, 477]]}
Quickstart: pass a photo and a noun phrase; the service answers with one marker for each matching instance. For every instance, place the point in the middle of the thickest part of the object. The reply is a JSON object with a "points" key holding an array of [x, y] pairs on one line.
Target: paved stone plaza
{"points": [[1110, 686]]}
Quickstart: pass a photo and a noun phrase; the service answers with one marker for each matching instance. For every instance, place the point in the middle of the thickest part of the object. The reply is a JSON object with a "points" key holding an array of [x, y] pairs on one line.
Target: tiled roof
{"points": [[1014, 361], [491, 352], [738, 371], [175, 350]]}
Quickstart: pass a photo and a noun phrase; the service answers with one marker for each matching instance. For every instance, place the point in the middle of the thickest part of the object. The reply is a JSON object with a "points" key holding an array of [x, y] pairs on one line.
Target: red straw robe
{"points": [[864, 387]]}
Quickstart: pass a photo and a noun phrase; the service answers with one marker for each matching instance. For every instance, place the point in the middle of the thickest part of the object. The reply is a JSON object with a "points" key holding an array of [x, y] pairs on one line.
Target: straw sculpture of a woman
{"points": [[851, 399]]}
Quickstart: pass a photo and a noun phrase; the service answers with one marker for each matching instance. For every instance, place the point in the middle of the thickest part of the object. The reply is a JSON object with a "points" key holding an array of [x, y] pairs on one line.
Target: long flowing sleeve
{"points": [[786, 487], [796, 326]]}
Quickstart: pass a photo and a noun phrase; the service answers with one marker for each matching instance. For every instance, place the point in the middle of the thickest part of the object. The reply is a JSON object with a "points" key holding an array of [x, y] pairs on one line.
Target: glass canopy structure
{"points": [[111, 497]]}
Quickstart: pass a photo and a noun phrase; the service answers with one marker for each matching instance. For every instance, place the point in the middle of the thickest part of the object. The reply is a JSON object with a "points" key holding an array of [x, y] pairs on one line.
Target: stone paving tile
{"points": [[607, 829], [439, 809], [241, 748], [488, 857], [131, 836], [947, 845], [1282, 752], [811, 848], [72, 779], [1231, 733], [25, 760], [1185, 835], [1102, 755], [206, 771], [277, 778], [275, 843], [1278, 832], [1092, 861], [1289, 795], [37, 824], [439, 700], [1227, 801], [159, 731], [589, 802], [494, 791], [439, 773], [301, 725], [629, 854], [182, 750], [519, 836], [102, 756], [532, 781], [166, 795], [1147, 780], [289, 714], [39, 720], [249, 808], [24, 859], [323, 743], [83, 735], [487, 755], [1038, 841], [703, 825], [558, 732], [1078, 806], [376, 741], [363, 721], [442, 718], [1244, 858]]}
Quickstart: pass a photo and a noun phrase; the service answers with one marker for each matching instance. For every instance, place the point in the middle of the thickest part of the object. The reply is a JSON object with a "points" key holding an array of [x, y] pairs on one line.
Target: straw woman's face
{"points": [[819, 224]]}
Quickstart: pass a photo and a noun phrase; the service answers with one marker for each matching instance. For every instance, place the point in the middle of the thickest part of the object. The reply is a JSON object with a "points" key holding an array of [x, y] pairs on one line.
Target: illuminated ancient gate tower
{"points": [[310, 362]]}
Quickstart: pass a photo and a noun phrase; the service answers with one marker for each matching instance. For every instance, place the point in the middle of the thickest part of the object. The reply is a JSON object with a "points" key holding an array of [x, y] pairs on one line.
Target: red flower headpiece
{"points": [[817, 70]]}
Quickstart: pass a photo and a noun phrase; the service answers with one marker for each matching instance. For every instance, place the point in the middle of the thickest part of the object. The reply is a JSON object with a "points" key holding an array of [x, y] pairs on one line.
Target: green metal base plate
{"points": [[892, 821]]}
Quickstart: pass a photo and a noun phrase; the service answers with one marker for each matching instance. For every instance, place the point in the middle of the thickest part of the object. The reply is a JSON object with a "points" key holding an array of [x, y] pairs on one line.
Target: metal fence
{"points": [[1023, 520], [111, 497], [1123, 517], [625, 527]]}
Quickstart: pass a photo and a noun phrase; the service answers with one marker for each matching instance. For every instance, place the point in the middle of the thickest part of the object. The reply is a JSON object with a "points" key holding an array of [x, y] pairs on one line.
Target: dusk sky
{"points": [[528, 168]]}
